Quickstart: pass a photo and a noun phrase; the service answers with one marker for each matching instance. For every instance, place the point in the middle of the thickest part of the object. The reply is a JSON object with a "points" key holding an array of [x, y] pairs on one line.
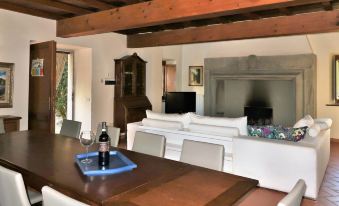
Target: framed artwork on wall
{"points": [[6, 85], [195, 76]]}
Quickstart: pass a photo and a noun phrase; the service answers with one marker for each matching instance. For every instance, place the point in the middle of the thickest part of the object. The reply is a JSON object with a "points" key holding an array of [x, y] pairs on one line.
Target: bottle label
{"points": [[103, 147]]}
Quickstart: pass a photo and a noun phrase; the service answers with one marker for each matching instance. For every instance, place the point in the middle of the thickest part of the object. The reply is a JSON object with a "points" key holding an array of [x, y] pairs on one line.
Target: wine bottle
{"points": [[103, 146]]}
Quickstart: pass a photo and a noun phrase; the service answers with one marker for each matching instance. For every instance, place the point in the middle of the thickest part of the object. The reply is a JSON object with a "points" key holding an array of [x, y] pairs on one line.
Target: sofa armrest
{"points": [[269, 160]]}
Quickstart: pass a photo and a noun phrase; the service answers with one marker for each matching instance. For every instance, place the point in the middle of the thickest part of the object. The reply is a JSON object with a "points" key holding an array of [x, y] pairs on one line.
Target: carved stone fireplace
{"points": [[286, 84]]}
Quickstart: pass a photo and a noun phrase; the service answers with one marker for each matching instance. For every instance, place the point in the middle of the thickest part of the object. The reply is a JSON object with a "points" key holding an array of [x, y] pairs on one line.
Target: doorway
{"points": [[169, 76], [168, 79], [64, 88]]}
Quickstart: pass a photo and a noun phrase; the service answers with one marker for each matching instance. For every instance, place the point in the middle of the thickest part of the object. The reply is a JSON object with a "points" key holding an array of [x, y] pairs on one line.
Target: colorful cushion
{"points": [[278, 132]]}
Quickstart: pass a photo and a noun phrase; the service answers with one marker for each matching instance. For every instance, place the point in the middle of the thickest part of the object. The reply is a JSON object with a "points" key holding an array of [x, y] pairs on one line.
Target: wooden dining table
{"points": [[48, 159]]}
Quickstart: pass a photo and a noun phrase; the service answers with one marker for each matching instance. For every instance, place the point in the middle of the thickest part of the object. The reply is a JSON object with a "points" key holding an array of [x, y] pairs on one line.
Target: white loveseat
{"points": [[276, 164]]}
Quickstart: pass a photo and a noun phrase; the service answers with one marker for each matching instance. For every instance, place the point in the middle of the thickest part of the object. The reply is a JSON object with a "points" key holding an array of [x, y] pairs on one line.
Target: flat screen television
{"points": [[180, 102]]}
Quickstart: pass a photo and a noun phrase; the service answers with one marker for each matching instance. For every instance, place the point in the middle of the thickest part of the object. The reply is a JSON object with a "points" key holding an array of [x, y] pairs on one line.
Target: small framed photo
{"points": [[196, 76], [6, 85]]}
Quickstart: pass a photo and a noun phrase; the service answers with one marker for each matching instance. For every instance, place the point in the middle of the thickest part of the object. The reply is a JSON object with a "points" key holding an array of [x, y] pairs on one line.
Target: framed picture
{"points": [[6, 85], [196, 76]]}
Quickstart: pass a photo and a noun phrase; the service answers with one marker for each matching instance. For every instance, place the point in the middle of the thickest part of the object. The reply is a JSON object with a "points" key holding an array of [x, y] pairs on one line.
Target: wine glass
{"points": [[87, 138]]}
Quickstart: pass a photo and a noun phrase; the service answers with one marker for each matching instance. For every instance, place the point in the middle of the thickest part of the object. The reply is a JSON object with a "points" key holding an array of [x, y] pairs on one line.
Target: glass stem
{"points": [[86, 154]]}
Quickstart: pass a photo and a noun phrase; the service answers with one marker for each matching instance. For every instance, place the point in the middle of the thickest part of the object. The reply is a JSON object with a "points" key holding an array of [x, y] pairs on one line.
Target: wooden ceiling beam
{"points": [[97, 4], [285, 11], [30, 11], [62, 6], [252, 15], [159, 12], [327, 6], [317, 22]]}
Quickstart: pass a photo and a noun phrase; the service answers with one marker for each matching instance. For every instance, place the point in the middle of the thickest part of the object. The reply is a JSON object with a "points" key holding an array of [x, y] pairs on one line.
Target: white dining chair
{"points": [[70, 128], [13, 191], [151, 144], [52, 197], [113, 133], [294, 197], [203, 154]]}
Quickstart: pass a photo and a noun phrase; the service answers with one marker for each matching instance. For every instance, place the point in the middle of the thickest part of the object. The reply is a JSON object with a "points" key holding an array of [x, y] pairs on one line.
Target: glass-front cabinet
{"points": [[131, 71], [130, 101]]}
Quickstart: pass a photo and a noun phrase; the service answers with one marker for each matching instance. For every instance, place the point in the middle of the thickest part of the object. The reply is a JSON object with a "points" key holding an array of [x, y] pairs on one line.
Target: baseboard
{"points": [[334, 140]]}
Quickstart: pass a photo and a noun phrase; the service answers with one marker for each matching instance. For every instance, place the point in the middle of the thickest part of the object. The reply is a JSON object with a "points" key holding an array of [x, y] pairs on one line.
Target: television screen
{"points": [[180, 102]]}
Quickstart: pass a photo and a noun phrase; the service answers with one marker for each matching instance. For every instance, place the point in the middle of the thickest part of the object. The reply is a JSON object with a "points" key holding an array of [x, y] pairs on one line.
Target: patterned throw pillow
{"points": [[278, 132], [261, 131], [291, 134]]}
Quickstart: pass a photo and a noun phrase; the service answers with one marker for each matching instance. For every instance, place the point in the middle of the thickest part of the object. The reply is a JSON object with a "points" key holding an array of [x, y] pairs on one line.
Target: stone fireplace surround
{"points": [[299, 68]]}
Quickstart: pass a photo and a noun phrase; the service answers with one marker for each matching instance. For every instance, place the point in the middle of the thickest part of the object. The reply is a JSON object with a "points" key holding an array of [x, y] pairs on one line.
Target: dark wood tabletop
{"points": [[48, 159]]}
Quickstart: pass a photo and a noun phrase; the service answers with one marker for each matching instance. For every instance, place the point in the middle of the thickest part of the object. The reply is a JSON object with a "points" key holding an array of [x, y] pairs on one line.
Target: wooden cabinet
{"points": [[11, 123], [130, 100]]}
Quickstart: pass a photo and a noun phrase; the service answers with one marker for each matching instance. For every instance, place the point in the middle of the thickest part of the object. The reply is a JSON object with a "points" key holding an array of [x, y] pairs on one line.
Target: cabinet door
{"points": [[127, 84], [140, 79]]}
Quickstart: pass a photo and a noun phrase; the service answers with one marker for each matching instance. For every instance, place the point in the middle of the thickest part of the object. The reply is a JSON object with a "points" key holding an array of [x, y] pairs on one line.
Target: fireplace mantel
{"points": [[299, 68]]}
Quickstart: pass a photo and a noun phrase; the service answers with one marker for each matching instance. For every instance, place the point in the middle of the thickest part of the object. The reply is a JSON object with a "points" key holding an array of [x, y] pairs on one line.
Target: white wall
{"points": [[325, 46], [153, 74], [82, 87], [105, 48], [174, 53], [16, 31]]}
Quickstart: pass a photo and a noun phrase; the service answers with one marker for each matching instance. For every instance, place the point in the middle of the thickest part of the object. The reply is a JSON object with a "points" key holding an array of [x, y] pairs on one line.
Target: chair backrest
{"points": [[70, 128], [294, 197], [52, 197], [2, 126], [151, 144], [203, 154], [113, 133], [12, 189]]}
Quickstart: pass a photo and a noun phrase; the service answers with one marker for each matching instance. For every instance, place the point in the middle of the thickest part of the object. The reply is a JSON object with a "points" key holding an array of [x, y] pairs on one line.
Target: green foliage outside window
{"points": [[61, 95]]}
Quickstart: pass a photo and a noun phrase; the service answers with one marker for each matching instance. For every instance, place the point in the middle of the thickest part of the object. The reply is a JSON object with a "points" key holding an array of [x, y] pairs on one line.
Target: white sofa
{"points": [[276, 164], [279, 164]]}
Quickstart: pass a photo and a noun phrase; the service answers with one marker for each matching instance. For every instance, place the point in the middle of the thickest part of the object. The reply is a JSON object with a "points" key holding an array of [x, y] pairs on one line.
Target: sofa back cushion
{"points": [[240, 123], [172, 125], [306, 121], [183, 118], [214, 130]]}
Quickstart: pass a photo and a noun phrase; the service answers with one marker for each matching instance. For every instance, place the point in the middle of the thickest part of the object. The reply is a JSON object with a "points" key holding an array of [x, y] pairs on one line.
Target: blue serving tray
{"points": [[118, 163]]}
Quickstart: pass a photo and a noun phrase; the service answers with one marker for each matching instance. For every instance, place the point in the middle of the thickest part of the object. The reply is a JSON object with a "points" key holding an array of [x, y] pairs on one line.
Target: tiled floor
{"points": [[329, 191]]}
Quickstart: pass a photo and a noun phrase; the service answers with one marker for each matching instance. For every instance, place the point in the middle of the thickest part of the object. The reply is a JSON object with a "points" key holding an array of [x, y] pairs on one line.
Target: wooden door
{"points": [[170, 78], [42, 87]]}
